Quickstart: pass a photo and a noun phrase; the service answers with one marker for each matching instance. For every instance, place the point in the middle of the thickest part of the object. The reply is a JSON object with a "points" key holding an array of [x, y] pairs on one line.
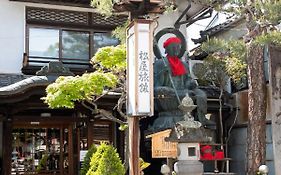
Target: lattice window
{"points": [[99, 20], [56, 16], [42, 15]]}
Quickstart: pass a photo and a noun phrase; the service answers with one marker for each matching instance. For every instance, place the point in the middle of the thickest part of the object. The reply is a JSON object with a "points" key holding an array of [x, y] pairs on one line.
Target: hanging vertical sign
{"points": [[139, 68]]}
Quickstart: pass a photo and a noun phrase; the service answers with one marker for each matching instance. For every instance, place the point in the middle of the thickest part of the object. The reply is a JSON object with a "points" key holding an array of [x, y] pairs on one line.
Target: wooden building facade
{"points": [[35, 139]]}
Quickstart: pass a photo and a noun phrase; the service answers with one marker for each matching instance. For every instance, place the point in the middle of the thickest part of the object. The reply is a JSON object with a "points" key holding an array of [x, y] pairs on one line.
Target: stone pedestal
{"points": [[188, 134], [189, 140], [189, 167]]}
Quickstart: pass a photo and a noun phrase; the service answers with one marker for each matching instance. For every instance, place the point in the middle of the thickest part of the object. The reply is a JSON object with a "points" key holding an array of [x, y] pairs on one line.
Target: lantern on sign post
{"points": [[140, 68], [139, 84]]}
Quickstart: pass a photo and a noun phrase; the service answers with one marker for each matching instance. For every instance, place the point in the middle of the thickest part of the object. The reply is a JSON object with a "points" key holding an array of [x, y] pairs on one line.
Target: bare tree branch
{"points": [[109, 116], [93, 110], [120, 103]]}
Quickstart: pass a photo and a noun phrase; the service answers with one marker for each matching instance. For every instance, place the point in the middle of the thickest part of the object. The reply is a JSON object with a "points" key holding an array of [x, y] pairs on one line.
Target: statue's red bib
{"points": [[176, 66]]}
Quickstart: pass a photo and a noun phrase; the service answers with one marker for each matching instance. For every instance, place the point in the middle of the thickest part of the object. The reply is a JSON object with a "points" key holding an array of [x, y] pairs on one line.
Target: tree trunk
{"points": [[256, 144]]}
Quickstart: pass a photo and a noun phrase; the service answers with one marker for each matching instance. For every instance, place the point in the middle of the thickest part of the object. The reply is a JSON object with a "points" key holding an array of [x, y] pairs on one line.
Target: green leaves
{"points": [[87, 159], [269, 11], [111, 58], [213, 70], [214, 45], [123, 127], [143, 164], [227, 56], [265, 13], [273, 37], [120, 32], [66, 90], [106, 161], [105, 7]]}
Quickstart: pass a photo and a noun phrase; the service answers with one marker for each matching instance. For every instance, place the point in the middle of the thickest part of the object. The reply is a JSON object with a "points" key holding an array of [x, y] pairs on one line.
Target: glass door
{"points": [[40, 151]]}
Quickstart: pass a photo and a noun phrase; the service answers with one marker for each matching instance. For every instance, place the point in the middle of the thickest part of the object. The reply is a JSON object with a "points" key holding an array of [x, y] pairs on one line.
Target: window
{"points": [[102, 40], [44, 42], [73, 47]]}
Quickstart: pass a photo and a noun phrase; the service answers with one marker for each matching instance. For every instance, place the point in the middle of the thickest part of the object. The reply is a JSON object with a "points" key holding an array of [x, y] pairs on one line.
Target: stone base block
{"points": [[189, 167]]}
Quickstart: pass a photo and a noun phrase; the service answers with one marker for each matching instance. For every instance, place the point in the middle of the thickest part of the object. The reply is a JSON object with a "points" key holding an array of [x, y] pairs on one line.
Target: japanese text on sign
{"points": [[143, 72]]}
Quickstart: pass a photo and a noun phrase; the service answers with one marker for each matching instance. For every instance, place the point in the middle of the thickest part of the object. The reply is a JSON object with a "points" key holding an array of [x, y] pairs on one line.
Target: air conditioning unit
{"points": [[193, 65]]}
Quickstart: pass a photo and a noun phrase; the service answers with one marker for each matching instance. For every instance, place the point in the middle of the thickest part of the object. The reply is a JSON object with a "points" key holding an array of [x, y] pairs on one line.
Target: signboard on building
{"points": [[162, 148], [82, 155], [139, 69]]}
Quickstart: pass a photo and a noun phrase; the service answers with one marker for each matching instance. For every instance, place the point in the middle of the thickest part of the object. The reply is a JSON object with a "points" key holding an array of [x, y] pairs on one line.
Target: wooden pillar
{"points": [[7, 147], [134, 136], [70, 149], [1, 145], [90, 129], [78, 149], [275, 103], [61, 150]]}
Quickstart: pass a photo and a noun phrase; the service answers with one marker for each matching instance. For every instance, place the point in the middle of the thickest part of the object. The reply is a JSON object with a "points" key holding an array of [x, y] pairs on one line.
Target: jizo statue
{"points": [[172, 82]]}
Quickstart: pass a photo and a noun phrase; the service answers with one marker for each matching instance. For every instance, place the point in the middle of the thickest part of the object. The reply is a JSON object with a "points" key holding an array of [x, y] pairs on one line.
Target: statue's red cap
{"points": [[171, 40]]}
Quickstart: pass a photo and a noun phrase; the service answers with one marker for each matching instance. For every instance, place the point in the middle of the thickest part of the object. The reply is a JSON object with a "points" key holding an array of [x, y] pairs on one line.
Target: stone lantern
{"points": [[189, 134]]}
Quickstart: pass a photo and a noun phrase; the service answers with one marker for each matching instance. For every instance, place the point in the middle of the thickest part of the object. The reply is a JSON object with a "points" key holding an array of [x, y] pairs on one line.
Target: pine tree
{"points": [[260, 17]]}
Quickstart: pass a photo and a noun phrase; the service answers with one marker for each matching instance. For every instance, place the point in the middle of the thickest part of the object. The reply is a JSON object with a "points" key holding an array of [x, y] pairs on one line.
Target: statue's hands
{"points": [[191, 93], [192, 84]]}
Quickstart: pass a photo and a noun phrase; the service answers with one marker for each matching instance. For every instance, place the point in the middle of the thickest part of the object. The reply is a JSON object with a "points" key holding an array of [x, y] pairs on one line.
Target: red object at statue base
{"points": [[210, 153], [219, 154], [206, 153]]}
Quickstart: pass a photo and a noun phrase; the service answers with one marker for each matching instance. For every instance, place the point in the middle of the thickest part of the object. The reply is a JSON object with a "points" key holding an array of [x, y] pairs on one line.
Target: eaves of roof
{"points": [[8, 79], [223, 26], [75, 3], [26, 84], [232, 22]]}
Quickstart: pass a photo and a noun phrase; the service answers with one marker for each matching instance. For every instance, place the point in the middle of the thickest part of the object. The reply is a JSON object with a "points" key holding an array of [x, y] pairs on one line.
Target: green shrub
{"points": [[87, 159], [106, 161]]}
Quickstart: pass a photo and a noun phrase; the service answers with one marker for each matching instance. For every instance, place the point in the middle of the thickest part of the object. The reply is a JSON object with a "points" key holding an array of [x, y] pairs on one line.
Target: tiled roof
{"points": [[26, 84], [223, 26], [12, 83], [8, 79], [218, 28]]}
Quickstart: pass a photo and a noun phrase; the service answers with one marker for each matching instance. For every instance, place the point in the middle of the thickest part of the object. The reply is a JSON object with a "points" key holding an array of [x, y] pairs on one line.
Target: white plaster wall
{"points": [[11, 36], [167, 21], [12, 32]]}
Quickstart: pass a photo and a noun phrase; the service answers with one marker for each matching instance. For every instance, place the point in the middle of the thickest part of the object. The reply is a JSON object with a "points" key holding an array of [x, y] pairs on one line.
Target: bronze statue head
{"points": [[172, 46]]}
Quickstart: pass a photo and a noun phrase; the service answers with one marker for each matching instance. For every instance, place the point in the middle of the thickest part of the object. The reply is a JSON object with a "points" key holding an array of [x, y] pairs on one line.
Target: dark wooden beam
{"points": [[139, 8], [7, 149], [79, 3]]}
